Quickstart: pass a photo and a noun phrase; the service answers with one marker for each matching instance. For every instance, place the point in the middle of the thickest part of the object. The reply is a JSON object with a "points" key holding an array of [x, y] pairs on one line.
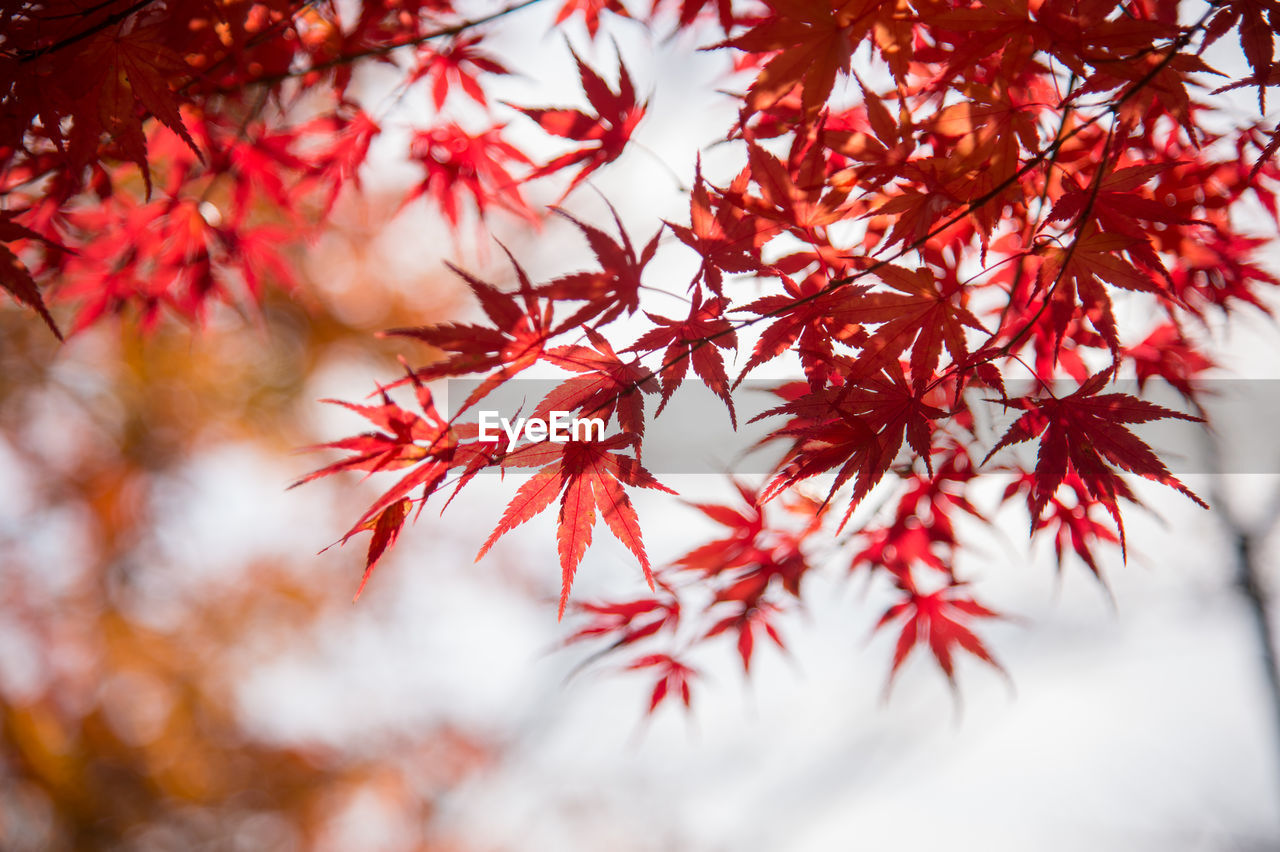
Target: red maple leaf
{"points": [[1078, 273], [812, 317], [14, 276], [630, 620], [606, 133], [1069, 520], [458, 62], [612, 289], [812, 41], [424, 442], [606, 384], [1167, 353], [590, 11], [748, 618], [798, 194], [917, 313], [586, 475], [674, 678], [1083, 433], [727, 239], [938, 619], [855, 430], [344, 139], [736, 549], [695, 340], [455, 160], [516, 341], [133, 67]]}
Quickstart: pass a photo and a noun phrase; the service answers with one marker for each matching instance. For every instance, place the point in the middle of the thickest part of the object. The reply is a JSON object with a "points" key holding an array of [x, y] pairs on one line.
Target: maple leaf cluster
{"points": [[933, 201]]}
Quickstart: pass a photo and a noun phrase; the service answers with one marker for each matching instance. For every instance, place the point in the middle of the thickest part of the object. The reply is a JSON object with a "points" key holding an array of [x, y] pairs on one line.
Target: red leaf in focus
{"points": [[591, 475], [607, 132], [134, 66], [605, 385], [514, 343], [727, 239], [385, 531], [1084, 433], [855, 430], [615, 287], [693, 340]]}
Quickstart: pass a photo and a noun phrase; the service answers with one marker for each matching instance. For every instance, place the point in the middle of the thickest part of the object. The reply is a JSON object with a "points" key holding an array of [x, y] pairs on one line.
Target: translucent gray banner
{"points": [[693, 434]]}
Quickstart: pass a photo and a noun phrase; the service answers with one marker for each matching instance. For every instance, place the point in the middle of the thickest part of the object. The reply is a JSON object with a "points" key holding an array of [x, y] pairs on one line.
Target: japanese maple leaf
{"points": [[1069, 521], [695, 339], [1257, 20], [457, 62], [612, 289], [1118, 206], [255, 253], [590, 11], [605, 385], [969, 32], [344, 139], [586, 475], [813, 41], [727, 239], [745, 622], [1166, 353], [673, 678], [749, 578], [1087, 34], [1078, 274], [1219, 269], [606, 133], [631, 621], [14, 276], [386, 529], [1084, 433], [854, 430], [797, 194], [983, 137], [455, 160], [918, 313], [513, 344], [882, 152], [922, 531], [812, 316], [423, 442], [404, 439], [1152, 79], [259, 161], [745, 563], [939, 619], [736, 548], [135, 67]]}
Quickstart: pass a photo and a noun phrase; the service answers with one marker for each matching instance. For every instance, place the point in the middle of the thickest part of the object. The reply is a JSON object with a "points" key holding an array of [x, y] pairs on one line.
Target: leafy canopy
{"points": [[937, 199]]}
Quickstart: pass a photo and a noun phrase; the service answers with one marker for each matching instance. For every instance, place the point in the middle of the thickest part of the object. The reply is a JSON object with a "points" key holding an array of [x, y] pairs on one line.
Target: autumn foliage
{"points": [[936, 203]]}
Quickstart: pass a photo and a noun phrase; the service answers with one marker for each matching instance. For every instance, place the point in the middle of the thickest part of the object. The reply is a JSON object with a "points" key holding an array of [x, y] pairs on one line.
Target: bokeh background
{"points": [[182, 668]]}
